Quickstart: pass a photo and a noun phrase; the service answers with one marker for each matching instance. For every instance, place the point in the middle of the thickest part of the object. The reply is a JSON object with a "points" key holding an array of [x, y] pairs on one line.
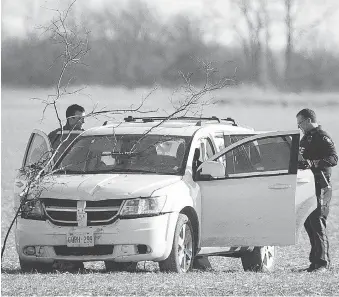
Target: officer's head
{"points": [[75, 116], [306, 119]]}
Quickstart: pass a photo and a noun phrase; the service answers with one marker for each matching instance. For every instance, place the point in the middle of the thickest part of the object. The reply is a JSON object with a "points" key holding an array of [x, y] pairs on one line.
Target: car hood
{"points": [[103, 186]]}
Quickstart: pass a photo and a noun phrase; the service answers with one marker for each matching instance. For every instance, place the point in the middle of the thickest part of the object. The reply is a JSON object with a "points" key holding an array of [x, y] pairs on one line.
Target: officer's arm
{"points": [[53, 137], [330, 157], [303, 155]]}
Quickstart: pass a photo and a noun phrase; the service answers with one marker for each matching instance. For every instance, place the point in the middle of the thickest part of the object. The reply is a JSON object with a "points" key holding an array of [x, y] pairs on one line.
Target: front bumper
{"points": [[119, 239]]}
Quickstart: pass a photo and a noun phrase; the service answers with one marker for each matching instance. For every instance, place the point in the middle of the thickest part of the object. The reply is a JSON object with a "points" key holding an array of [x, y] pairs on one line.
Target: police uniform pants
{"points": [[315, 226]]}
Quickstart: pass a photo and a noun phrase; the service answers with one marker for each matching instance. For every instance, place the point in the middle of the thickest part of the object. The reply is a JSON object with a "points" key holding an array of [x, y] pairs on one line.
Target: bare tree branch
{"points": [[39, 175]]}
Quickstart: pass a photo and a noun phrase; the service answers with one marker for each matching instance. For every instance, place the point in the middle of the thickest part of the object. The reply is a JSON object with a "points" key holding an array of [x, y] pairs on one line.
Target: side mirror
{"points": [[211, 169]]}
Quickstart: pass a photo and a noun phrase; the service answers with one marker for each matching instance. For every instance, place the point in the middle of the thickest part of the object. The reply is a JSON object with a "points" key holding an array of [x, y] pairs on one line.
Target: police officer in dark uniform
{"points": [[318, 153], [74, 121]]}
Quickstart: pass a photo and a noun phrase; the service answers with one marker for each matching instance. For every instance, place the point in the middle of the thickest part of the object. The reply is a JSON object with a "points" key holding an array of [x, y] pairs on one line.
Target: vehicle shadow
{"points": [[230, 271], [15, 271]]}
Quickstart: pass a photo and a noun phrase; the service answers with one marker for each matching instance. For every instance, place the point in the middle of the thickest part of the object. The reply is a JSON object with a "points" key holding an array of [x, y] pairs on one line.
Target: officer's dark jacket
{"points": [[61, 136], [318, 145], [55, 135]]}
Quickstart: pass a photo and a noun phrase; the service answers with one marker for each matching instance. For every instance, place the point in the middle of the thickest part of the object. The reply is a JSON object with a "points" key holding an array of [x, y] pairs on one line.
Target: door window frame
{"points": [[30, 141], [292, 168], [208, 141]]}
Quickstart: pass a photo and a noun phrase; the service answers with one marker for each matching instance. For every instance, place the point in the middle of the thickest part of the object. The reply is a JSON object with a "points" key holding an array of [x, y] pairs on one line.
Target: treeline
{"points": [[134, 48]]}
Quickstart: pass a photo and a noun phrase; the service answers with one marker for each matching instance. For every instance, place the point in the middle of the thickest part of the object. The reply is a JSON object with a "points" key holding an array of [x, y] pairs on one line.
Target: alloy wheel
{"points": [[185, 248]]}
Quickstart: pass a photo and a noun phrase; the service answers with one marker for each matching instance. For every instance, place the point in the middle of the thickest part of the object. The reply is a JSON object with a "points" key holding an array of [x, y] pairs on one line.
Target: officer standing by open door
{"points": [[318, 152]]}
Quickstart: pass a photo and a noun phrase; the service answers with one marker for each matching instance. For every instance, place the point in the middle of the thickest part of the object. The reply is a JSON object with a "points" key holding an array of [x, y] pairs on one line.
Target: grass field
{"points": [[19, 116]]}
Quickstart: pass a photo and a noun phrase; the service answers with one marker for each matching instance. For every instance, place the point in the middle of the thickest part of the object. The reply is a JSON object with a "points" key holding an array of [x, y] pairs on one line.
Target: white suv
{"points": [[140, 191]]}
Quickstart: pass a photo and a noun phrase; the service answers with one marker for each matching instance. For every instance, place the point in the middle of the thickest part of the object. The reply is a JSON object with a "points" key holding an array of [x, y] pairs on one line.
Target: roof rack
{"points": [[182, 118]]}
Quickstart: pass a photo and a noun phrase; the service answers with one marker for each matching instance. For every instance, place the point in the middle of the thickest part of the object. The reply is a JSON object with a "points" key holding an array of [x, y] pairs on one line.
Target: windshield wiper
{"points": [[132, 170], [65, 171], [121, 170]]}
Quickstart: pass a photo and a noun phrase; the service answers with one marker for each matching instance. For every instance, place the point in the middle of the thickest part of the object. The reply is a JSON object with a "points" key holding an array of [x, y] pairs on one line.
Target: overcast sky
{"points": [[20, 15]]}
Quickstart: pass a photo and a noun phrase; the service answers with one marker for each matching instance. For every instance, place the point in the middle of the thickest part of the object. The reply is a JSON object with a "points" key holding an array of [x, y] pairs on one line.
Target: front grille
{"points": [[97, 250], [62, 216], [63, 212]]}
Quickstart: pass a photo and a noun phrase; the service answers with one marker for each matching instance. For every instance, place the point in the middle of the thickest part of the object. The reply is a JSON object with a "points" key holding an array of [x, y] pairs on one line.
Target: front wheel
{"points": [[180, 259], [261, 259]]}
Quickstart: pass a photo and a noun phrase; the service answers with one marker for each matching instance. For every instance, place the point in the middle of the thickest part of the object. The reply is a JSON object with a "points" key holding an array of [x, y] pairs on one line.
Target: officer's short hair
{"points": [[308, 114], [72, 109]]}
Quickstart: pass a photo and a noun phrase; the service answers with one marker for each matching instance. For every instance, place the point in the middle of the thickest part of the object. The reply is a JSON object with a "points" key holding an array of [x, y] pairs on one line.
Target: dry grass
{"points": [[20, 116]]}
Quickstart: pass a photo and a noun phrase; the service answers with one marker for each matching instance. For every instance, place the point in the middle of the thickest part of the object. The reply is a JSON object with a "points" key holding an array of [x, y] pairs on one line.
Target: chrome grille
{"points": [[63, 212]]}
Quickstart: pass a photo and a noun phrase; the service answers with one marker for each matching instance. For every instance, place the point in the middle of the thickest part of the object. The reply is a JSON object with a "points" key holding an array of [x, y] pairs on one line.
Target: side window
{"points": [[220, 144], [235, 138], [267, 154], [201, 154], [237, 159], [37, 152], [219, 140], [209, 149], [206, 149]]}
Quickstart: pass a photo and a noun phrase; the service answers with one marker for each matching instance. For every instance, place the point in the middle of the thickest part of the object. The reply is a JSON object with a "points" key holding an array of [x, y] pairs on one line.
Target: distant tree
{"points": [[253, 37], [297, 30]]}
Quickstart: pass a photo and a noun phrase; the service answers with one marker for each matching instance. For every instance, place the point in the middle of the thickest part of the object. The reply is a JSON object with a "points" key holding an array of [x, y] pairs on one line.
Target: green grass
{"points": [[227, 278], [153, 283], [20, 116]]}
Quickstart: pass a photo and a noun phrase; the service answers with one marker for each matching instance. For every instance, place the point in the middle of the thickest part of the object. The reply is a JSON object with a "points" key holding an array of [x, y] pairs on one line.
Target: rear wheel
{"points": [[261, 259], [180, 259], [121, 266]]}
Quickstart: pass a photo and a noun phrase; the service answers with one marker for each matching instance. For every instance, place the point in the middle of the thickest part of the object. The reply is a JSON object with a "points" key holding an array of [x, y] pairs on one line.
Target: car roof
{"points": [[182, 128]]}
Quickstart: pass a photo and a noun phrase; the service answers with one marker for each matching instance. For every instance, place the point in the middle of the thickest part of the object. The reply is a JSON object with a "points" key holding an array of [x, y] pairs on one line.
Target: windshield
{"points": [[125, 153]]}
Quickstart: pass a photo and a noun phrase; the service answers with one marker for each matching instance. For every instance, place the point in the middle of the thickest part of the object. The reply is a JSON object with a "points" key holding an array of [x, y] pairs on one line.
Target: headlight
{"points": [[143, 206], [33, 210]]}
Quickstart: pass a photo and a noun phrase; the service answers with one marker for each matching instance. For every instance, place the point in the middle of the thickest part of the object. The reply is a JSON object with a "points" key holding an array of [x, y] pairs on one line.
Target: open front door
{"points": [[38, 149], [253, 204]]}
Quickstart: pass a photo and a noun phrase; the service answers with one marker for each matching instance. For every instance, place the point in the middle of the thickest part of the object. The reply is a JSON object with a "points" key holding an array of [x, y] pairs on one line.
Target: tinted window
{"points": [[268, 154]]}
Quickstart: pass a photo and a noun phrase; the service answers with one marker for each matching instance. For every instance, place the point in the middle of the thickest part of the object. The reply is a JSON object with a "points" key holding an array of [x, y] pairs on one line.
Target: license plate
{"points": [[80, 239]]}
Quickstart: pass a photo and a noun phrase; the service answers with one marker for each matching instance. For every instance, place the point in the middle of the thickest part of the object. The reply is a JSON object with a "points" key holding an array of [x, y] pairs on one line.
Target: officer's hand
{"points": [[301, 150], [303, 165]]}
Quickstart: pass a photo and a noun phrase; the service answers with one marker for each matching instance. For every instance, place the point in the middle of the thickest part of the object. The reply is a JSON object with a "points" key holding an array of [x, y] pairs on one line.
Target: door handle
{"points": [[302, 180], [279, 186]]}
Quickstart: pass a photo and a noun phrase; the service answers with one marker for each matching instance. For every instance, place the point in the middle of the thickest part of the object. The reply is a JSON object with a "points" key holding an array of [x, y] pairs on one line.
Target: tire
{"points": [[29, 266], [181, 257], [261, 259], [121, 266]]}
